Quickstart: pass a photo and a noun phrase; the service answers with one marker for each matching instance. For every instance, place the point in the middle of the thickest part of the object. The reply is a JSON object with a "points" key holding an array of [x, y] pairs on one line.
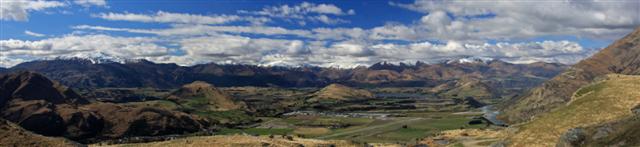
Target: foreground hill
{"points": [[44, 107], [84, 73], [602, 102], [624, 132], [13, 135], [621, 57], [245, 141]]}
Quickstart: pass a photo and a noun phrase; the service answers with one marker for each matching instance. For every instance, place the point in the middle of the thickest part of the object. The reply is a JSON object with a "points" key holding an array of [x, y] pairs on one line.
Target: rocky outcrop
{"points": [[623, 132]]}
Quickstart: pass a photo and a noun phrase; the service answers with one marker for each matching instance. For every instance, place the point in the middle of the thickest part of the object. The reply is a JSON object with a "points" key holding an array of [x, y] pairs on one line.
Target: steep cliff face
{"points": [[621, 57]]}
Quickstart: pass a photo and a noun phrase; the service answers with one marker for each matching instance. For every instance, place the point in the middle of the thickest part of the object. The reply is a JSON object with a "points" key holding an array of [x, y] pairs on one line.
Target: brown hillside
{"points": [[601, 102], [621, 57], [244, 141], [33, 86], [13, 135], [341, 93], [468, 87], [39, 105], [216, 100]]}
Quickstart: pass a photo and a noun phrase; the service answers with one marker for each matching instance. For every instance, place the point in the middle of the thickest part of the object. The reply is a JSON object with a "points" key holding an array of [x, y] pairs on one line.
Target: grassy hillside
{"points": [[337, 92], [13, 135], [244, 141], [601, 102], [621, 57]]}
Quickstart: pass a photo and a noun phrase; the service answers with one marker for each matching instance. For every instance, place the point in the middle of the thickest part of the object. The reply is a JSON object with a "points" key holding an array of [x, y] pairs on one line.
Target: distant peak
{"points": [[98, 58], [469, 59]]}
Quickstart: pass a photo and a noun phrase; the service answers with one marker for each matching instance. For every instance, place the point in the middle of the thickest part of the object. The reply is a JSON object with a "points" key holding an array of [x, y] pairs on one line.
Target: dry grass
{"points": [[597, 103], [311, 131], [486, 133], [341, 92], [241, 140], [13, 135], [466, 137]]}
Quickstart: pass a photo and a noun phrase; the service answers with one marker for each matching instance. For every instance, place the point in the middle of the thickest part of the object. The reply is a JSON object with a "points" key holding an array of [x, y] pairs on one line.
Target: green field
{"points": [[391, 130]]}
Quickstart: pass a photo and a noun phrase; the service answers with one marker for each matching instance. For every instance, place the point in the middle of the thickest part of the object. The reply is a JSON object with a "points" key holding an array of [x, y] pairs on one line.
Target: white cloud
{"points": [[448, 29], [126, 47], [304, 11], [525, 19], [298, 11], [222, 48], [238, 49], [183, 18], [327, 20], [526, 52], [89, 3], [34, 34], [18, 10], [196, 30]]}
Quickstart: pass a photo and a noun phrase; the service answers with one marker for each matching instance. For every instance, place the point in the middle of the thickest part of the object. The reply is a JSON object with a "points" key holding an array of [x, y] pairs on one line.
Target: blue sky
{"points": [[44, 21], [322, 33]]}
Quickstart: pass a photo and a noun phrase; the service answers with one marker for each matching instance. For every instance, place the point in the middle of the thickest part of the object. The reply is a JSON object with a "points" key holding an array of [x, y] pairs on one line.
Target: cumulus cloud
{"points": [[523, 19], [34, 34], [126, 47], [224, 48], [238, 49], [183, 18], [196, 30], [304, 11], [447, 29], [89, 3], [18, 10]]}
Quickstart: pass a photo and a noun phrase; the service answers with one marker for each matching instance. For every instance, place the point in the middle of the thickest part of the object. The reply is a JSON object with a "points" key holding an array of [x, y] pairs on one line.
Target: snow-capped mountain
{"points": [[96, 58], [469, 59]]}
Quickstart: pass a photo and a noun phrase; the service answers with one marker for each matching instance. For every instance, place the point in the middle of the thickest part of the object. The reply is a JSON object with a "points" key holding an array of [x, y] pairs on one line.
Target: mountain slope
{"points": [[212, 98], [468, 88], [13, 135], [340, 92], [32, 86], [621, 57], [601, 102], [623, 132], [87, 73], [40, 105]]}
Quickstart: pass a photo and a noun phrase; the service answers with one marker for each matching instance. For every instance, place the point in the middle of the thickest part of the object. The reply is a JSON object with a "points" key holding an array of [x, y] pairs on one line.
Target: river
{"points": [[491, 114]]}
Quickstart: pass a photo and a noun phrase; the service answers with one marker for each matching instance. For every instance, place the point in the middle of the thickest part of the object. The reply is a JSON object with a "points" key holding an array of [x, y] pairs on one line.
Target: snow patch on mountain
{"points": [[469, 59], [96, 58]]}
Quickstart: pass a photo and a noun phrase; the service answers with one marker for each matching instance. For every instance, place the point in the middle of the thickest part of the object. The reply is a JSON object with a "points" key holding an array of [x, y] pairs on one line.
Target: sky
{"points": [[320, 33]]}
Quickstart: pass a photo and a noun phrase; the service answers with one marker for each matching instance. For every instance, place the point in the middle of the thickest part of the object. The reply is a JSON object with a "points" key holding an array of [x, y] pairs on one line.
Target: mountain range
{"points": [[87, 73]]}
